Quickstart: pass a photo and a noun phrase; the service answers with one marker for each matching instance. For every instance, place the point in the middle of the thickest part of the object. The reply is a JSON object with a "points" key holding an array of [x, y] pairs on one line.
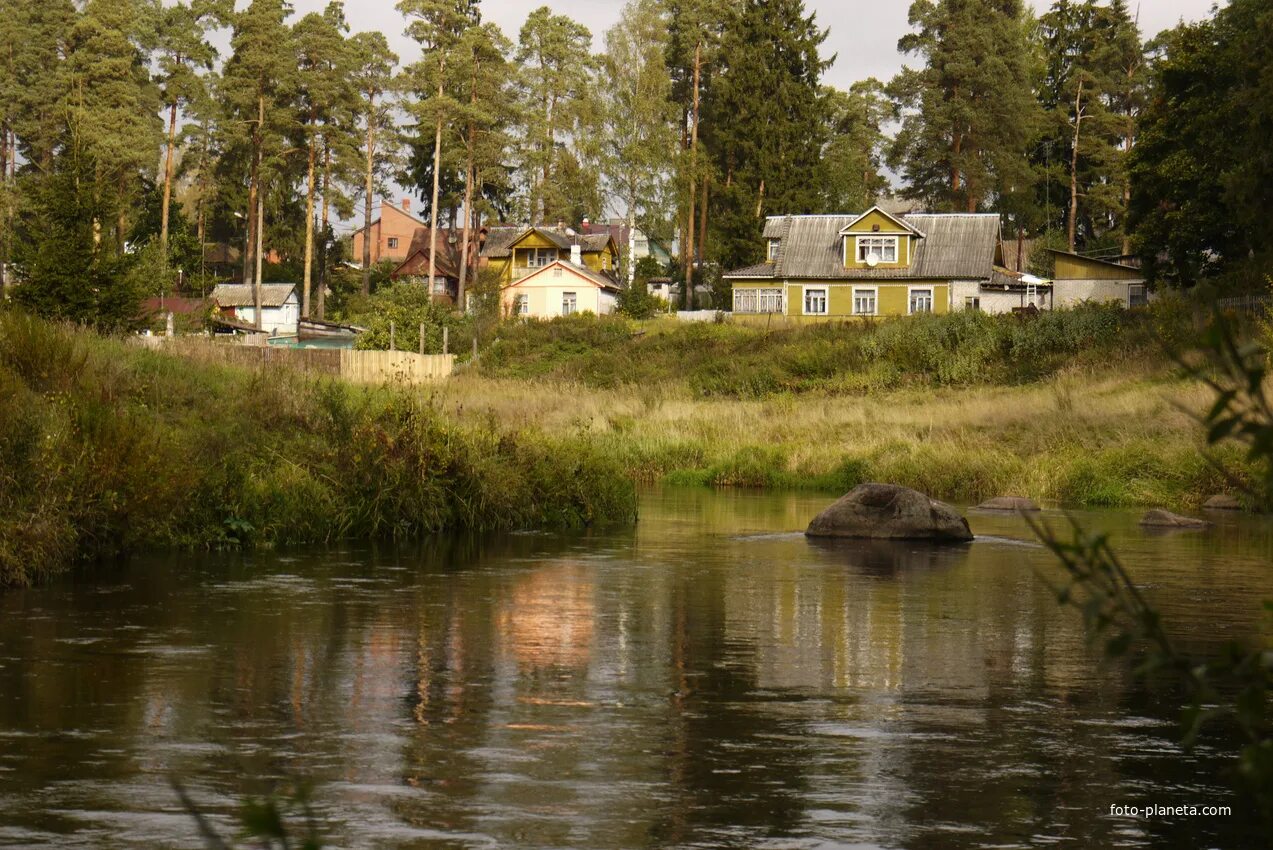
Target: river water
{"points": [[707, 679]]}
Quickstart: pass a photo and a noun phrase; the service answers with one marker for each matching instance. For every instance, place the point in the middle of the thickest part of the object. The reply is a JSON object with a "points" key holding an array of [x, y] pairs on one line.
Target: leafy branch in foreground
{"points": [[1235, 685], [264, 822]]}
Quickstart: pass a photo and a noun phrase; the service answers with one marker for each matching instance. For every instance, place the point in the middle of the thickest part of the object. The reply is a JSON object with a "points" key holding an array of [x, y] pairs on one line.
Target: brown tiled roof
{"points": [[955, 245]]}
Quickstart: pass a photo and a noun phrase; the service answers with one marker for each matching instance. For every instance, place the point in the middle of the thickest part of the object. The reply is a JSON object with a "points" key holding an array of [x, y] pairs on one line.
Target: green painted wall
{"points": [[892, 299]]}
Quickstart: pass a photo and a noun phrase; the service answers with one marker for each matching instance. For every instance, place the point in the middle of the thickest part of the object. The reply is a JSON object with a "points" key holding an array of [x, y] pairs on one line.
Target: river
{"points": [[707, 679]]}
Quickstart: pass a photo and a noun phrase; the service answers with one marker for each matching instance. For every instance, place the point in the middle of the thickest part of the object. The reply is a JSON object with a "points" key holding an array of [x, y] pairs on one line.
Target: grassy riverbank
{"points": [[1120, 434], [106, 448]]}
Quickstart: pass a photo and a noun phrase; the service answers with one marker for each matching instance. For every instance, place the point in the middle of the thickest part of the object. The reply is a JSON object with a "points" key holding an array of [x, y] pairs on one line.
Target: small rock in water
{"points": [[1166, 519], [890, 512], [1222, 502], [1008, 503]]}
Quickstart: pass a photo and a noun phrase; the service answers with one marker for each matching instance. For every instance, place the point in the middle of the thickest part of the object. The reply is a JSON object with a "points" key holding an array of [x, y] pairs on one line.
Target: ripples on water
{"points": [[711, 679]]}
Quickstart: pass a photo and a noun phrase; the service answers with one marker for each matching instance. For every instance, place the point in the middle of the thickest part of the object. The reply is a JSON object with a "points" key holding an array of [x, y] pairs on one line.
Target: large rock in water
{"points": [[1222, 502], [890, 512], [1008, 503], [1166, 519]]}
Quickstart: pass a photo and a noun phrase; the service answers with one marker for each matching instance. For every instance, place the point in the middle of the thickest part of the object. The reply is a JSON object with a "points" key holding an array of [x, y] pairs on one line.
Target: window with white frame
{"points": [[537, 258], [815, 302], [772, 256], [393, 242], [864, 302], [921, 301], [884, 247], [972, 302], [521, 304], [757, 300], [569, 304]]}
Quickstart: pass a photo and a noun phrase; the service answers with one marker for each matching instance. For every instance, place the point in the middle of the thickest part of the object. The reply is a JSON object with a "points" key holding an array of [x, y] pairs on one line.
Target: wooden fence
{"points": [[1245, 303], [365, 367]]}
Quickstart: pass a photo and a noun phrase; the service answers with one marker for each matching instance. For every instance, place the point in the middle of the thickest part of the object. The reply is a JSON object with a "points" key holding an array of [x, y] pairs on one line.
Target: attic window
{"points": [[774, 244], [884, 247]]}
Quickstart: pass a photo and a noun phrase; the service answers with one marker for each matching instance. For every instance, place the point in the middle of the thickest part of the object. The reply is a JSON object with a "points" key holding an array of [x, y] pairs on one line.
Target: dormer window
{"points": [[883, 247], [772, 256]]}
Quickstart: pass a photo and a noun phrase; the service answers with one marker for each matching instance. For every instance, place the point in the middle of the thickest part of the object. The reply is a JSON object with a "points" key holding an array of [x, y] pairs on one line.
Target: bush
{"points": [[106, 448]]}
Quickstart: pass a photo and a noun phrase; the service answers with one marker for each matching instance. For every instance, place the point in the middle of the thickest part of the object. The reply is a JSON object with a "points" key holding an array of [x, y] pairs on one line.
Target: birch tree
{"points": [[640, 147]]}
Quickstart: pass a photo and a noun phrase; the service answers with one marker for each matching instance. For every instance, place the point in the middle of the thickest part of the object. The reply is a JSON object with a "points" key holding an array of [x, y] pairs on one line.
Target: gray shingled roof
{"points": [[956, 245], [499, 240], [240, 294]]}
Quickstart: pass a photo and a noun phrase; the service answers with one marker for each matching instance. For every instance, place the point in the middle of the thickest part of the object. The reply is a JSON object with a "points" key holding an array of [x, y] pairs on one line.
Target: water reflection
{"points": [[711, 679]]}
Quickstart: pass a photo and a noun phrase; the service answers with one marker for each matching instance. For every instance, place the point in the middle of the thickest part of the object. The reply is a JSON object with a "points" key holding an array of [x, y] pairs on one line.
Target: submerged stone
{"points": [[1222, 502], [890, 512], [1166, 519], [1008, 503]]}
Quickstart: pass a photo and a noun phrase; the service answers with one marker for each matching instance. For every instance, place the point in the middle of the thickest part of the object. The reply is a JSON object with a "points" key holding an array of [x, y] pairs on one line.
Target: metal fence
{"points": [[1245, 303]]}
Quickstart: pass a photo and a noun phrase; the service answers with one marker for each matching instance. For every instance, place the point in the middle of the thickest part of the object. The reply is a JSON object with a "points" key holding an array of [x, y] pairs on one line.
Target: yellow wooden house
{"points": [[821, 267], [517, 252]]}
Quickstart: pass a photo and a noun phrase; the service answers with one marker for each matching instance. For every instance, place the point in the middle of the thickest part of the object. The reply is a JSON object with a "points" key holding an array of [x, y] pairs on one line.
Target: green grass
{"points": [[106, 448], [737, 361]]}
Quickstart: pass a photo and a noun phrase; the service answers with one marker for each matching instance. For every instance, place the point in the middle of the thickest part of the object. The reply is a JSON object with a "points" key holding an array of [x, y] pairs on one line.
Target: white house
{"points": [[280, 306], [560, 288]]}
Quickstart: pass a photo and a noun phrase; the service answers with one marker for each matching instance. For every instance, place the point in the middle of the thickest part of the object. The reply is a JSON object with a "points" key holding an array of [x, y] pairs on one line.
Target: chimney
{"points": [[586, 225], [561, 224], [576, 255], [406, 205]]}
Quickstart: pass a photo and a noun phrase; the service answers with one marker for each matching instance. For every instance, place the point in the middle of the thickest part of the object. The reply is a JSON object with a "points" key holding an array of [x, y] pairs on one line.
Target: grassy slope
{"points": [[105, 448], [1076, 407]]}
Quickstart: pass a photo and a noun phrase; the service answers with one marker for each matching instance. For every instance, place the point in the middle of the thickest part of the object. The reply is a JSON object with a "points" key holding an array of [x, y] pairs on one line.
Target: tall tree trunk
{"points": [[700, 246], [631, 242], [321, 300], [470, 170], [260, 208], [307, 275], [168, 158], [956, 149], [1127, 181], [1072, 224], [367, 199], [437, 181], [760, 199], [689, 247], [256, 281]]}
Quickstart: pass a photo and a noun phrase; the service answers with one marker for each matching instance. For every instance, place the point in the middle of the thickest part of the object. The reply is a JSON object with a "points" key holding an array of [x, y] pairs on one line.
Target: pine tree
{"points": [[373, 74], [640, 139], [324, 91], [182, 54], [1201, 170], [559, 110], [767, 120], [1091, 94], [438, 26], [853, 173], [969, 115], [486, 111], [258, 91], [695, 28]]}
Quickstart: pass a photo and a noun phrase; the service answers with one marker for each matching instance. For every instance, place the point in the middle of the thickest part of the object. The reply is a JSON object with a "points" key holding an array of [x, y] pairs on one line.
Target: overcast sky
{"points": [[864, 33]]}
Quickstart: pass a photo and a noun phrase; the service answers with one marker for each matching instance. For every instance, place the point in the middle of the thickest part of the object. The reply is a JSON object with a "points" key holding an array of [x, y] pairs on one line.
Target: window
{"points": [[815, 302], [1136, 295], [864, 302], [884, 247], [921, 301], [774, 244], [757, 300], [537, 258], [569, 304], [972, 302], [521, 305], [393, 242]]}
